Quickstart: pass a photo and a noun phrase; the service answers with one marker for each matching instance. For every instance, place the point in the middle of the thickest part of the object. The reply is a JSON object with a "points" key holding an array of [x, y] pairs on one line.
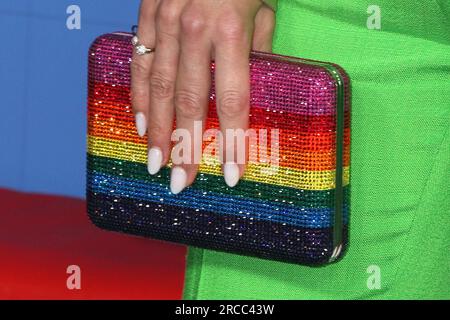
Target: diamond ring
{"points": [[139, 48]]}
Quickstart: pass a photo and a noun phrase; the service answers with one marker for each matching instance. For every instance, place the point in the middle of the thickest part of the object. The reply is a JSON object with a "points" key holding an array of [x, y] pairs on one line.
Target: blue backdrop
{"points": [[43, 89]]}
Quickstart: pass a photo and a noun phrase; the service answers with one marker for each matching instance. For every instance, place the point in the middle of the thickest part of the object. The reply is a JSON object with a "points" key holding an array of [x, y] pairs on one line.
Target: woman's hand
{"points": [[175, 79]]}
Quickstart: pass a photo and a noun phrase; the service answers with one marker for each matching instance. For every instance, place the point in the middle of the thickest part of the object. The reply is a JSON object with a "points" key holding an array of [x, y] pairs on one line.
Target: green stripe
{"points": [[246, 189]]}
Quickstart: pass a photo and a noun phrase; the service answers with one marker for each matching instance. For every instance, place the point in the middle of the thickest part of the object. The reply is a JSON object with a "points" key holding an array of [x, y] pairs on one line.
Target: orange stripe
{"points": [[306, 142], [300, 158]]}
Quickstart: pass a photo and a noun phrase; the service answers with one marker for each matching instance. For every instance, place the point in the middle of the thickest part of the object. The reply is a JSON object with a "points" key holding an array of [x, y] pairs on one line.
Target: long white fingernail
{"points": [[154, 160], [141, 124], [178, 178], [231, 173]]}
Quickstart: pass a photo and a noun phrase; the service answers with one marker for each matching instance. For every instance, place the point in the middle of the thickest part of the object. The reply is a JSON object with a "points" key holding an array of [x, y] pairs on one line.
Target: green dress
{"points": [[398, 57]]}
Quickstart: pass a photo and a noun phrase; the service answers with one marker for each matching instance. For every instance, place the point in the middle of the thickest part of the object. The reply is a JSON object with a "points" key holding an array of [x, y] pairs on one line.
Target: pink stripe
{"points": [[272, 81]]}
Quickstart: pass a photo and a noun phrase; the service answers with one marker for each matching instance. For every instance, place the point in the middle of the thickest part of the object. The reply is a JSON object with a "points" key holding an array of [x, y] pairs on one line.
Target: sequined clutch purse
{"points": [[297, 212]]}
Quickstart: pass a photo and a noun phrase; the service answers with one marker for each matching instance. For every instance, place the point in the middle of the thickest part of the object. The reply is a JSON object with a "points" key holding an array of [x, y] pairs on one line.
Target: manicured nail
{"points": [[141, 123], [154, 160], [231, 173], [178, 179]]}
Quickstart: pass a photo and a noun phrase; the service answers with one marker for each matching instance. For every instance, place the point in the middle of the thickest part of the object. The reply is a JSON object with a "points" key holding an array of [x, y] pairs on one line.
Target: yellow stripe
{"points": [[257, 172]]}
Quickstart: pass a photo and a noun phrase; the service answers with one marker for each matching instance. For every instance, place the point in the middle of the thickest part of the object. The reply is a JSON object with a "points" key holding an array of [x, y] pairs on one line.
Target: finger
{"points": [[141, 66], [162, 84], [233, 96], [264, 27], [191, 98]]}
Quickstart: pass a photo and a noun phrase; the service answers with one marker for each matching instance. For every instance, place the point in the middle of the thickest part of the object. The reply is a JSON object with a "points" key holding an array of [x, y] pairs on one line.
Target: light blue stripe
{"points": [[213, 202]]}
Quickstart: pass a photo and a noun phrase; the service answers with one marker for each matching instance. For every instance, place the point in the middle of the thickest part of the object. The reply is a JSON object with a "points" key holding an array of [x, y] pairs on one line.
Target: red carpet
{"points": [[40, 236]]}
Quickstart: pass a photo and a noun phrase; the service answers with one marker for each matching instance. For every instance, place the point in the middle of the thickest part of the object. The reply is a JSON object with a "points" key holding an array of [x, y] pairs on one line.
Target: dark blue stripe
{"points": [[212, 202]]}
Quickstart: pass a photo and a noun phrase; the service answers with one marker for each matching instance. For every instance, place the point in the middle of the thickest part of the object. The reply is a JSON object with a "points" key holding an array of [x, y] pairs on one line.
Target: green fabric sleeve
{"points": [[397, 54]]}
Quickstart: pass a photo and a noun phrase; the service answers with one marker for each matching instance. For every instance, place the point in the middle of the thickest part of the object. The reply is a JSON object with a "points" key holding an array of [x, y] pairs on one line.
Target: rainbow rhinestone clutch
{"points": [[297, 213]]}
